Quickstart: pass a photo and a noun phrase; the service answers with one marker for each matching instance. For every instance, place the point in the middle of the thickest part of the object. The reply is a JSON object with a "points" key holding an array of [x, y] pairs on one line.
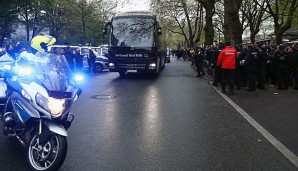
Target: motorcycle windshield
{"points": [[53, 71]]}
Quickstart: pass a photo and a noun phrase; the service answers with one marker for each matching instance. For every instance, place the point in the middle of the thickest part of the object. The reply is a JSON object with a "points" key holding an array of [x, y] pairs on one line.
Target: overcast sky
{"points": [[133, 5]]}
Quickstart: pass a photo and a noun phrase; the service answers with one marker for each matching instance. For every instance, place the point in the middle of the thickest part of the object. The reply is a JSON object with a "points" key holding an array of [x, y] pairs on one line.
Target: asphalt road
{"points": [[171, 122]]}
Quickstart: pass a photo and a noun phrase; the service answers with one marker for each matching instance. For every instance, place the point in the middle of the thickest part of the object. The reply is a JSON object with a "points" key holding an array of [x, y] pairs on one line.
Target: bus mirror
{"points": [[159, 31], [105, 30]]}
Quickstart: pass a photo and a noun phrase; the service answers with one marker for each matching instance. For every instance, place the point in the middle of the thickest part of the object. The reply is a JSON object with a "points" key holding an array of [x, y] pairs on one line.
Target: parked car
{"points": [[168, 55], [97, 49], [101, 62], [104, 48], [57, 48]]}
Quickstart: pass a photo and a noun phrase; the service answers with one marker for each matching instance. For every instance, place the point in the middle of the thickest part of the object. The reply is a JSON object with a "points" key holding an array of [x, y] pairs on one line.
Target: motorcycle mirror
{"points": [[79, 92]]}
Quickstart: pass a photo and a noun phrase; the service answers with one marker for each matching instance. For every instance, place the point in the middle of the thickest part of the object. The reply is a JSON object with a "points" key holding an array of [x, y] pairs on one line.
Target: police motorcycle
{"points": [[37, 111]]}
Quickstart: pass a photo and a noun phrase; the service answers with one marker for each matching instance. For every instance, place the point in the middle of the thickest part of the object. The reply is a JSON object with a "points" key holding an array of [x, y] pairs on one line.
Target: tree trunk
{"points": [[209, 30], [253, 34], [252, 38], [278, 38], [278, 34], [232, 24], [190, 30], [279, 31]]}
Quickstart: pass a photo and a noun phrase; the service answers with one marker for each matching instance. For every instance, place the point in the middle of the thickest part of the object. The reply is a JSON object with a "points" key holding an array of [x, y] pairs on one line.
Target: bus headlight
{"points": [[152, 66], [111, 65]]}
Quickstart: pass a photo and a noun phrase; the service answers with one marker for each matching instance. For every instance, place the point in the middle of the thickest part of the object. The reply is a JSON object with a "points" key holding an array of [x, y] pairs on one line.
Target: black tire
{"points": [[98, 68], [163, 65], [122, 74], [53, 152]]}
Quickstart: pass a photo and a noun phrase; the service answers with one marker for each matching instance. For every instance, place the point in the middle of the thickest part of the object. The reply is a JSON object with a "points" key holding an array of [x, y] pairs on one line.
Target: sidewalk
{"points": [[272, 110]]}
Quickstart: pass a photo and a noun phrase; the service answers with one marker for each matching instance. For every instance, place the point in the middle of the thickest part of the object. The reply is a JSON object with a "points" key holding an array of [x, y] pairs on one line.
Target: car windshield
{"points": [[53, 71], [136, 32]]}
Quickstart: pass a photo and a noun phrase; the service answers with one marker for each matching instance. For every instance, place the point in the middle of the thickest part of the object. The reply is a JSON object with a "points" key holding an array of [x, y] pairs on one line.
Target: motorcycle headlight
{"points": [[78, 77], [52, 105], [56, 106]]}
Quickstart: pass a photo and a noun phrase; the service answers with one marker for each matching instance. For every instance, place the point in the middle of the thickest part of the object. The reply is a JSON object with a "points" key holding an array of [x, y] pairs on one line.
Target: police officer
{"points": [[271, 65], [262, 66], [217, 72], [239, 76], [198, 60], [39, 47], [293, 61], [251, 64], [70, 57], [282, 70]]}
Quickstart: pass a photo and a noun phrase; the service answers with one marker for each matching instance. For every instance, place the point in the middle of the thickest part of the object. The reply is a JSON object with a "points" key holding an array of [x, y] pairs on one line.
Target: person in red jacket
{"points": [[227, 62]]}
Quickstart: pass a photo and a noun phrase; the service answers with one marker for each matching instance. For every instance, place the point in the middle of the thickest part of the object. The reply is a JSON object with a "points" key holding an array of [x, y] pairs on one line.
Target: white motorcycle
{"points": [[37, 110]]}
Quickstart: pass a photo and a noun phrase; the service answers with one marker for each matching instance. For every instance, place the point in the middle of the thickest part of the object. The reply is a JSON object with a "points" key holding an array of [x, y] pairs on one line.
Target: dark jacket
{"points": [[281, 59], [251, 59]]}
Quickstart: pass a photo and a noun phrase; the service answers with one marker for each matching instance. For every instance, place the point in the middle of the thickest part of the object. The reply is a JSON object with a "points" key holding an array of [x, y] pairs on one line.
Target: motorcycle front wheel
{"points": [[48, 156]]}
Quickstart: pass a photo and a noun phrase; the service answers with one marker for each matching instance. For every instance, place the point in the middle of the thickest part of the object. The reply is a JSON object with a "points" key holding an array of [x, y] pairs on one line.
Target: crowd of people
{"points": [[13, 51], [256, 65]]}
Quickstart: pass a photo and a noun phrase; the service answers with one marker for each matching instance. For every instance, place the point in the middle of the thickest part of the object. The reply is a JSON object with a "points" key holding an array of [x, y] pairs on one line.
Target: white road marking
{"points": [[280, 147]]}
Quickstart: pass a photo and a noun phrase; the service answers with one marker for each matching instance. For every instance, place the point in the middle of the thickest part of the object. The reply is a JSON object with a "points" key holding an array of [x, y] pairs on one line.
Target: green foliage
{"points": [[81, 21], [8, 19], [182, 18], [70, 21]]}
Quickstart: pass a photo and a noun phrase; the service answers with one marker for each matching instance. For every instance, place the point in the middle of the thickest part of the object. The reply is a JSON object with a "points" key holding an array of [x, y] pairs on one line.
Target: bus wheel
{"points": [[163, 65]]}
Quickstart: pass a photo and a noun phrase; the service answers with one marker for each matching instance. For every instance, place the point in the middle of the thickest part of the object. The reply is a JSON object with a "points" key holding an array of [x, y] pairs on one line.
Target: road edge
{"points": [[277, 144]]}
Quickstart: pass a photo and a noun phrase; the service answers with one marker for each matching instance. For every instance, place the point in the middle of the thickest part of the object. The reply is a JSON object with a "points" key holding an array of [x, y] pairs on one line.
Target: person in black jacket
{"points": [[262, 66], [79, 60], [198, 61], [251, 65], [240, 77], [271, 65], [282, 68], [91, 60], [69, 57], [217, 70], [293, 61]]}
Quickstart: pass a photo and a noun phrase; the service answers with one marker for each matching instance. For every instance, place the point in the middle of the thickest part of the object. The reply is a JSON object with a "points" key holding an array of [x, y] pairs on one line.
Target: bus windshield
{"points": [[133, 32]]}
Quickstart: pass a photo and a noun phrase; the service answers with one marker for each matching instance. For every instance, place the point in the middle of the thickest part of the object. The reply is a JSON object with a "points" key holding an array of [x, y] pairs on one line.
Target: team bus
{"points": [[135, 43]]}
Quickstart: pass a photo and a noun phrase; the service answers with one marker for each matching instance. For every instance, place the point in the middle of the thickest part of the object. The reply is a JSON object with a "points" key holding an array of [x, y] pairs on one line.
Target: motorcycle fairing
{"points": [[59, 94], [22, 107], [53, 127]]}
